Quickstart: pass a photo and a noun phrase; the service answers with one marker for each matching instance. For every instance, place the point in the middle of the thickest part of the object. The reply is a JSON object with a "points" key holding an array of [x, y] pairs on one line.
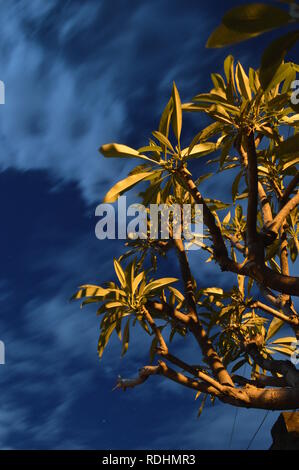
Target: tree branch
{"points": [[261, 381], [172, 312], [195, 325], [265, 205], [285, 368], [154, 328], [255, 247], [195, 372], [294, 321], [144, 374], [289, 189], [282, 214], [220, 250]]}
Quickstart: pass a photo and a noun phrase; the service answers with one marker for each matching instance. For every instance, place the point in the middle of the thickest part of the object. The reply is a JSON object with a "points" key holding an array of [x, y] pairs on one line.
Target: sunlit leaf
{"points": [[223, 36], [120, 273], [255, 18], [274, 55], [177, 113], [124, 185]]}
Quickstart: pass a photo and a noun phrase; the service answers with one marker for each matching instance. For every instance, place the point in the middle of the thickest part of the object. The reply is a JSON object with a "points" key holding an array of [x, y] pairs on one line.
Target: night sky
{"points": [[79, 74]]}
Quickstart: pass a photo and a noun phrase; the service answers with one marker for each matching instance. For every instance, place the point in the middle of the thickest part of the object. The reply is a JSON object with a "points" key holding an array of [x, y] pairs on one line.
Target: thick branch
{"points": [[282, 214], [195, 372], [247, 397], [172, 312], [265, 205], [255, 248]]}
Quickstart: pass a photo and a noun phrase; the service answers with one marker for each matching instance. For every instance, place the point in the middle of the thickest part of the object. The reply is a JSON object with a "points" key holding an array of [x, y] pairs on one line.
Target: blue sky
{"points": [[77, 75]]}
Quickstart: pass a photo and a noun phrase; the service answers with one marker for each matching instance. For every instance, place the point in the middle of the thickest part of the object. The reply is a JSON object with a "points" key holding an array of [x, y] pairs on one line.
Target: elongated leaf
{"points": [[285, 340], [89, 290], [165, 118], [216, 99], [177, 113], [125, 185], [159, 284], [164, 140], [177, 293], [223, 36], [255, 18], [199, 150], [235, 185], [274, 327], [137, 281], [243, 82], [126, 338], [213, 290], [121, 151], [274, 55], [114, 304], [120, 273], [283, 350], [291, 163], [104, 338], [288, 148]]}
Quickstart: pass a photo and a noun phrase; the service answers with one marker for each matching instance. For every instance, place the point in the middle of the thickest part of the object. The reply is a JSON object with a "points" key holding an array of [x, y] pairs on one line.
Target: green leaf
{"points": [[177, 113], [274, 327], [137, 281], [235, 185], [288, 148], [164, 140], [274, 55], [121, 151], [218, 100], [104, 338], [177, 293], [126, 338], [291, 163], [223, 36], [285, 340], [120, 273], [212, 290], [242, 82], [226, 218], [165, 118], [114, 304], [159, 284], [89, 290], [255, 18], [287, 351], [125, 185], [202, 406], [199, 150]]}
